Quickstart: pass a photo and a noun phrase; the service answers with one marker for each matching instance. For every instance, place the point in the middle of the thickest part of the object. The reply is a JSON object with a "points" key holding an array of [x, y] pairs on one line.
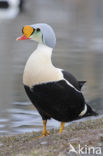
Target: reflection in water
{"points": [[25, 118], [79, 50]]}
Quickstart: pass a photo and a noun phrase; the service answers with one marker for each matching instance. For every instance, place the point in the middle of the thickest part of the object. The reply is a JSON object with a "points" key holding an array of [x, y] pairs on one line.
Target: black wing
{"points": [[57, 99], [70, 78]]}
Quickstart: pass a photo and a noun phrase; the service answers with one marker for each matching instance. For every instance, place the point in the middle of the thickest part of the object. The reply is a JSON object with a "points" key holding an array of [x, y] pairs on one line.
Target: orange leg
{"points": [[45, 132], [61, 127]]}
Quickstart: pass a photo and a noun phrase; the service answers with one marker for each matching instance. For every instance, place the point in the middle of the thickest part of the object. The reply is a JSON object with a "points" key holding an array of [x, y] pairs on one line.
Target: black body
{"points": [[58, 100]]}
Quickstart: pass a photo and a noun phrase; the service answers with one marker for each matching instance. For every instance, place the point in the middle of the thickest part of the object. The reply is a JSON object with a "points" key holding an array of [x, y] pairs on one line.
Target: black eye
{"points": [[37, 29]]}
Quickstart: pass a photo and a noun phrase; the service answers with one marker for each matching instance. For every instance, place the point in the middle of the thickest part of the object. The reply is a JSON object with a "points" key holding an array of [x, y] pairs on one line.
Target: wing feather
{"points": [[71, 79]]}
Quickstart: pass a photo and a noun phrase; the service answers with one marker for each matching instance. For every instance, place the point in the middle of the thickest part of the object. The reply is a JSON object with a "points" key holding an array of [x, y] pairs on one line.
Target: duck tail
{"points": [[90, 111]]}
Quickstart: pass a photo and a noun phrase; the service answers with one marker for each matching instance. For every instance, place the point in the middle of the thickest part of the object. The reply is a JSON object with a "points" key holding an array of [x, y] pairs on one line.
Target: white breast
{"points": [[39, 68]]}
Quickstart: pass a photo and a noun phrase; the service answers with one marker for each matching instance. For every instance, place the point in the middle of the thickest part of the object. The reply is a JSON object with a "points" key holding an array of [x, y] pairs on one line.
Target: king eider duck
{"points": [[54, 92]]}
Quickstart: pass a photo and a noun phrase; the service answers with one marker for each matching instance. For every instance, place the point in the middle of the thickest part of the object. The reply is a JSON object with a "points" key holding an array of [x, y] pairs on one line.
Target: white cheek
{"points": [[37, 37]]}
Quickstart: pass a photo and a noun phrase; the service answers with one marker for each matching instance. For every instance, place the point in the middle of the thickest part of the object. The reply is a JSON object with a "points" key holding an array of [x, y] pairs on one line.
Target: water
{"points": [[79, 50]]}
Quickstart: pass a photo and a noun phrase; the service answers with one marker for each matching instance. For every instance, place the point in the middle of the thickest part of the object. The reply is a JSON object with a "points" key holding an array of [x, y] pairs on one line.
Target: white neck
{"points": [[43, 47], [44, 53], [39, 68]]}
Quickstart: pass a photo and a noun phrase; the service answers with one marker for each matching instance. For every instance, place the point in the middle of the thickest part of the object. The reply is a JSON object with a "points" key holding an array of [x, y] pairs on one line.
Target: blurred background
{"points": [[78, 26]]}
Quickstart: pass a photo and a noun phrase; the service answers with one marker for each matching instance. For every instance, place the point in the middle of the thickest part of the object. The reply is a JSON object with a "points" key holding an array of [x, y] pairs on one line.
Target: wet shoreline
{"points": [[89, 133]]}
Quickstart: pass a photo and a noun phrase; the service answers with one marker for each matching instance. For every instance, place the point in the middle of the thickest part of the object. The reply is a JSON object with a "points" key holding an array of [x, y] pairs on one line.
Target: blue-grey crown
{"points": [[49, 38]]}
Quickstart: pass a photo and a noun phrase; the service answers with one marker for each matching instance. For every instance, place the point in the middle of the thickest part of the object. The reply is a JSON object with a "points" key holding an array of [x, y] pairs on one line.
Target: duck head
{"points": [[42, 33]]}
